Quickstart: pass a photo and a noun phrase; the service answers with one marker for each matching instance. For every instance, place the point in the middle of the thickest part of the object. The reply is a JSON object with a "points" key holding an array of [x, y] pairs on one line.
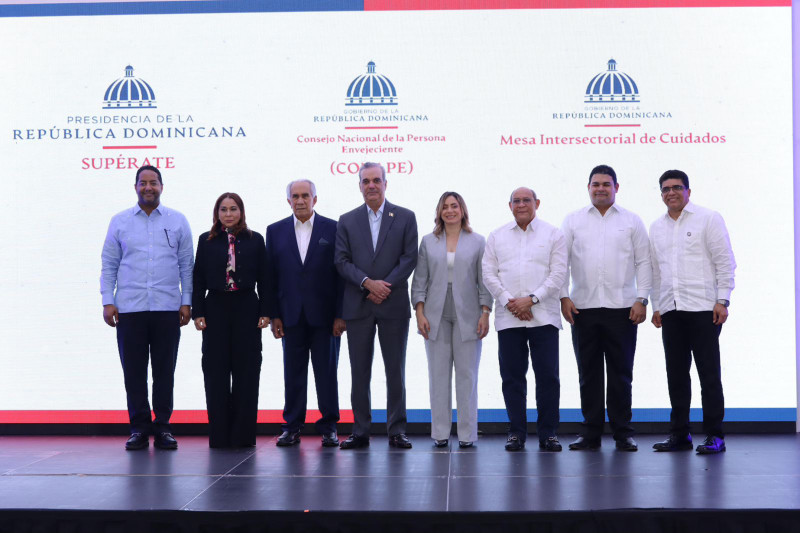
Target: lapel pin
{"points": [[688, 233], [391, 214]]}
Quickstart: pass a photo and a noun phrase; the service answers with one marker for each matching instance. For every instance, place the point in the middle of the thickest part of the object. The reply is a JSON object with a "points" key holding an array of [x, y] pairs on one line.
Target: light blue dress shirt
{"points": [[375, 223], [148, 260]]}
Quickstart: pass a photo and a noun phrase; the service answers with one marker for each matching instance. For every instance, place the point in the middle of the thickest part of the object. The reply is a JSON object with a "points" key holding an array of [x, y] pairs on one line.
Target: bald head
{"points": [[523, 205]]}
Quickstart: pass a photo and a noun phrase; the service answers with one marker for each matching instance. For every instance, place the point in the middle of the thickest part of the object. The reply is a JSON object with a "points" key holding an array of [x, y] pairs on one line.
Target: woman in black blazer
{"points": [[231, 263]]}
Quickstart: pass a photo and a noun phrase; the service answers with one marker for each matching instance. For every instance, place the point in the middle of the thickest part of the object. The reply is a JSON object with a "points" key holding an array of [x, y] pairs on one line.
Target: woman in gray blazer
{"points": [[453, 309]]}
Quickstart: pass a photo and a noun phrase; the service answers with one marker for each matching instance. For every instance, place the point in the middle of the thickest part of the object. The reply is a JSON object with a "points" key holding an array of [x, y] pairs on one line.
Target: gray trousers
{"points": [[393, 337], [443, 353]]}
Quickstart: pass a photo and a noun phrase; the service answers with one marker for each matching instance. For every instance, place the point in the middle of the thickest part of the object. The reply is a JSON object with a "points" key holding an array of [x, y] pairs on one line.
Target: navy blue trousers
{"points": [[607, 336], [149, 337], [684, 334], [514, 346], [299, 341]]}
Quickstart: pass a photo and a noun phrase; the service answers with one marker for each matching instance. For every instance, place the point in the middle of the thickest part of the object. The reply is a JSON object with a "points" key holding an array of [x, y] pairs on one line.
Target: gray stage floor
{"points": [[96, 473]]}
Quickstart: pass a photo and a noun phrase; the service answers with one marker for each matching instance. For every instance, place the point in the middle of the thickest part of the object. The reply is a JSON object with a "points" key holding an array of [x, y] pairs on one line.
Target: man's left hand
{"points": [[518, 306], [374, 298], [638, 313], [720, 314], [185, 314], [339, 327]]}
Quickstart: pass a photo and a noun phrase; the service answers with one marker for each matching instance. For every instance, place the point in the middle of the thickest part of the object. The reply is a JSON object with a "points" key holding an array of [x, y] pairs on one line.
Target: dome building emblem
{"points": [[612, 86], [129, 92], [371, 89]]}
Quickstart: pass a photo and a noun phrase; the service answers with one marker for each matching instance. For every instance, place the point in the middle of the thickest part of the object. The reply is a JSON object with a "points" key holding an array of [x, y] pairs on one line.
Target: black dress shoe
{"points": [[514, 444], [550, 444], [440, 443], [711, 445], [465, 444], [674, 444], [137, 441], [400, 441], [584, 443], [165, 441], [354, 441], [330, 440], [288, 438], [627, 445]]}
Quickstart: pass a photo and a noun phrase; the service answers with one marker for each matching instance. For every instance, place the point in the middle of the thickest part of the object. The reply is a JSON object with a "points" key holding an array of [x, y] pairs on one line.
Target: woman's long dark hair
{"points": [[240, 226]]}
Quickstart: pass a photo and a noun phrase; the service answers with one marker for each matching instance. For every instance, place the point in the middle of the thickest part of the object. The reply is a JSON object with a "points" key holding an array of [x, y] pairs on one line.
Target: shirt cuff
{"points": [[108, 299], [503, 299], [724, 294], [186, 299], [642, 293]]}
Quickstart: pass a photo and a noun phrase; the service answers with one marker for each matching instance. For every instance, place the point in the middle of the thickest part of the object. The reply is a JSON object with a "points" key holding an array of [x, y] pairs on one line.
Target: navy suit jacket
{"points": [[393, 260], [314, 286]]}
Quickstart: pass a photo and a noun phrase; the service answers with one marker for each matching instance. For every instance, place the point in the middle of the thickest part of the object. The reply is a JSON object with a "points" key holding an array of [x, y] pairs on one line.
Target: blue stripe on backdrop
{"points": [[179, 7], [736, 414]]}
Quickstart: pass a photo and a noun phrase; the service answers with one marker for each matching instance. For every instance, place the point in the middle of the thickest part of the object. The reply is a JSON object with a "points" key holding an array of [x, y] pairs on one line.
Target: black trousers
{"points": [[685, 333], [232, 367], [607, 336], [149, 337], [513, 344], [300, 340], [393, 337]]}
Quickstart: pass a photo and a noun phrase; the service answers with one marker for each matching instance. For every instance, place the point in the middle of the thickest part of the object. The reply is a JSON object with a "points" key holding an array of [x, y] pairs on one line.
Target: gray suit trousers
{"points": [[393, 338], [446, 351]]}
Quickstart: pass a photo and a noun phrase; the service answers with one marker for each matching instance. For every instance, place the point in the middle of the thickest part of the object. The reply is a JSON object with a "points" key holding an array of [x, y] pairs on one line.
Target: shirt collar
{"points": [[531, 227], [310, 221], [591, 208], [161, 210], [380, 209], [689, 208]]}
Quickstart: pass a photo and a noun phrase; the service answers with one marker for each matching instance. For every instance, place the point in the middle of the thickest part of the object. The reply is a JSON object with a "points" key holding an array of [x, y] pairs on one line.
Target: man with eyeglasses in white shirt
{"points": [[609, 260], [524, 267], [693, 270]]}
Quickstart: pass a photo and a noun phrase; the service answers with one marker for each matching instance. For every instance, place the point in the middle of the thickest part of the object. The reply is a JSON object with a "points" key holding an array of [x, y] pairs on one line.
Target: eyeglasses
{"points": [[676, 188]]}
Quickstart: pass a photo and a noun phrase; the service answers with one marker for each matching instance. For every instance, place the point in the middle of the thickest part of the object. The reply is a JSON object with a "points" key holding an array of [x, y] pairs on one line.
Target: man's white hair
{"points": [[291, 184]]}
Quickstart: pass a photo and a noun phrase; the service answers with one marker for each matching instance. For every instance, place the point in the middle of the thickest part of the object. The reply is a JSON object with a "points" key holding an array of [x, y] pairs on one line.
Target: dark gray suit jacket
{"points": [[393, 260]]}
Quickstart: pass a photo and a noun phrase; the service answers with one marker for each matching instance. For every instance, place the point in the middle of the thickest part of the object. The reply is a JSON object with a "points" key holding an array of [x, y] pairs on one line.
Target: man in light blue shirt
{"points": [[146, 284]]}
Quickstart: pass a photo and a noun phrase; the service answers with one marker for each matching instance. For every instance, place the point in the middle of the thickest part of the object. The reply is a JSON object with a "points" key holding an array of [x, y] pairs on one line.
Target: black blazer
{"points": [[314, 286], [212, 259], [393, 260]]}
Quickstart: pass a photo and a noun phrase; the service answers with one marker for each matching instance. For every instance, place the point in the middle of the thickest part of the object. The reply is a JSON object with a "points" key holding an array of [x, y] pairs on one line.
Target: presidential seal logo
{"points": [[129, 92], [611, 86], [371, 89]]}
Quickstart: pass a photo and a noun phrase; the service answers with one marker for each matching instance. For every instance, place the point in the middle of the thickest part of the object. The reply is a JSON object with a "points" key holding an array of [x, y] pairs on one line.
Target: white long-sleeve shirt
{"points": [[693, 264], [302, 232], [519, 263], [609, 258]]}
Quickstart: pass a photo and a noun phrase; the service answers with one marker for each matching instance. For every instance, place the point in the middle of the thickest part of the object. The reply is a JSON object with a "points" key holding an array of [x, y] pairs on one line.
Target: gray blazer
{"points": [[392, 261], [430, 282]]}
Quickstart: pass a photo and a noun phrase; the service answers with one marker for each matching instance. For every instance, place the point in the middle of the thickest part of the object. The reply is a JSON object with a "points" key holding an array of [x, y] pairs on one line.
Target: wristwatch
{"points": [[642, 301], [724, 303], [534, 299]]}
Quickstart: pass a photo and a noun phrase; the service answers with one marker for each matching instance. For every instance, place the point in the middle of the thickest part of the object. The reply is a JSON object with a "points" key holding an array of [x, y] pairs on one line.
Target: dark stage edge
{"points": [[90, 484]]}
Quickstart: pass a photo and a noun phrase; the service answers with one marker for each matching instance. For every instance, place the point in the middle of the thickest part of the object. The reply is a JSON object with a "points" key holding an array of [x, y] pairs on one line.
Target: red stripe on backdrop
{"points": [[267, 416], [430, 5]]}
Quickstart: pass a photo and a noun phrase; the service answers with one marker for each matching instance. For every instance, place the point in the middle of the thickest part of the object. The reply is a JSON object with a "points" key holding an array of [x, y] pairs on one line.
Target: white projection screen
{"points": [[481, 98]]}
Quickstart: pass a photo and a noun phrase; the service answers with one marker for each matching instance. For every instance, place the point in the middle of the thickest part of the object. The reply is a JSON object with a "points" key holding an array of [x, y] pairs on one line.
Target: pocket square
{"points": [[322, 241]]}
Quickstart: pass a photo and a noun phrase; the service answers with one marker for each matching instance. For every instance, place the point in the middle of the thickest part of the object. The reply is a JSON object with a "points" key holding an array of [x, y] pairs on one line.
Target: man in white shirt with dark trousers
{"points": [[524, 267], [609, 260], [693, 268]]}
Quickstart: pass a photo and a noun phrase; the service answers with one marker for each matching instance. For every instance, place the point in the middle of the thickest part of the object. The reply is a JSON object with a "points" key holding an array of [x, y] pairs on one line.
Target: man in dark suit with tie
{"points": [[376, 251], [306, 310]]}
